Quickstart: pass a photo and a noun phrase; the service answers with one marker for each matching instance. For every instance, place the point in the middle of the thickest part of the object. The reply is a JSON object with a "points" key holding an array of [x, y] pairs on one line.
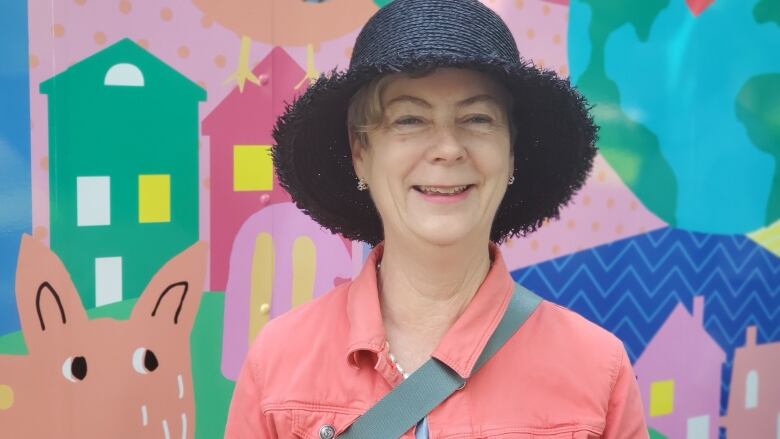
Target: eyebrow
{"points": [[426, 104]]}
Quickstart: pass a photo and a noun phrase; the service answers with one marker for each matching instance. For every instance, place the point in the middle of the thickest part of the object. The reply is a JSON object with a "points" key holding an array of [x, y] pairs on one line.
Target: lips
{"points": [[442, 190]]}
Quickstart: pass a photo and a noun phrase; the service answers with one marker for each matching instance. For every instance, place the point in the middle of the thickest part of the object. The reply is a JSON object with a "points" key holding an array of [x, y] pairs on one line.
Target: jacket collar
{"points": [[462, 343]]}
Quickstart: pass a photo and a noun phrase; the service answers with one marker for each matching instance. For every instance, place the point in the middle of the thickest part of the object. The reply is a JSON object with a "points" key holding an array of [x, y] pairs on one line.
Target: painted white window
{"points": [[698, 427], [108, 280], [93, 201], [751, 390], [124, 75]]}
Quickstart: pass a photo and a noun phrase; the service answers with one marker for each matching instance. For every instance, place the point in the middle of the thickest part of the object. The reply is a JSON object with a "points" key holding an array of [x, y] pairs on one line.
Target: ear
{"points": [[358, 151], [45, 295], [173, 295]]}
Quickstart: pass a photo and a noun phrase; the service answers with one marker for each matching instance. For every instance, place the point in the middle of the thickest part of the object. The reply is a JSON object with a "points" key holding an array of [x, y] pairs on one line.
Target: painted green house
{"points": [[123, 169]]}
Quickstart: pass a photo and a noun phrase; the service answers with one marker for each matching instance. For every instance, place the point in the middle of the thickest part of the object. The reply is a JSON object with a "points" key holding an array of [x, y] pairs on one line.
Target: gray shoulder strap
{"points": [[434, 381]]}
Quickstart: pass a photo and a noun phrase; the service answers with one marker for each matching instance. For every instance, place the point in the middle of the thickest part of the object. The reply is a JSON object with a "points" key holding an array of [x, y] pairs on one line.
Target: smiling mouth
{"points": [[442, 190]]}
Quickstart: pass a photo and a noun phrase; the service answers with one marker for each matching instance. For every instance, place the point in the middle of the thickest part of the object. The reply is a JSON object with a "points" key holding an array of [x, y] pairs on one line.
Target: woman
{"points": [[436, 144]]}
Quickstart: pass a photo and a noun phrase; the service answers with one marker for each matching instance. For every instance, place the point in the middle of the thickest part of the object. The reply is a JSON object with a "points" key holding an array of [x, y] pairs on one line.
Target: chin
{"points": [[444, 234]]}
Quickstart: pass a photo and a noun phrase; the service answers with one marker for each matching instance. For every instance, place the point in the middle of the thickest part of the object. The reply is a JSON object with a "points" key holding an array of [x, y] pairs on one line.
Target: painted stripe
{"points": [[180, 380], [144, 416], [183, 426], [304, 267], [261, 286], [165, 429]]}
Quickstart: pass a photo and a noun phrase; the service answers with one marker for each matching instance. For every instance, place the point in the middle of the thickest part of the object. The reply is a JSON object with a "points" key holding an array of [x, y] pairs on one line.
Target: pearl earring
{"points": [[511, 179], [361, 186]]}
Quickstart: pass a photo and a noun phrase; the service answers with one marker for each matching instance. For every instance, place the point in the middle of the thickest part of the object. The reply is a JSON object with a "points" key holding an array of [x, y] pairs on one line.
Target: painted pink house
{"points": [[281, 258], [242, 177], [679, 376], [754, 398]]}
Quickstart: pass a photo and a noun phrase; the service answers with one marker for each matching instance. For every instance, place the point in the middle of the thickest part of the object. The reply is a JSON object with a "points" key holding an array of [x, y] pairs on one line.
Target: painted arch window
{"points": [[124, 75]]}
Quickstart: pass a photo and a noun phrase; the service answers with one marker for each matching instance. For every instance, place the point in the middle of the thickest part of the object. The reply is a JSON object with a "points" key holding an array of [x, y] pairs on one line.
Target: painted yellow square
{"points": [[154, 198], [252, 168], [661, 397]]}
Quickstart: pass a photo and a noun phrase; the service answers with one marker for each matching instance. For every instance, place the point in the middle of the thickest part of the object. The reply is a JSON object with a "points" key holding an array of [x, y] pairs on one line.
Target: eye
{"points": [[144, 361], [408, 120], [480, 119], [75, 369]]}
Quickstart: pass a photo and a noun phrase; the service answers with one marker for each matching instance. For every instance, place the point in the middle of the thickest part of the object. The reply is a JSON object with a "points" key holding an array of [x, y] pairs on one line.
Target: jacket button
{"points": [[327, 432]]}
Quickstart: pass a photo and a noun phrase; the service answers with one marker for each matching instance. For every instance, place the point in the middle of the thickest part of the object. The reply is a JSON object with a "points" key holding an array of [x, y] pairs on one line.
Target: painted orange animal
{"points": [[101, 378]]}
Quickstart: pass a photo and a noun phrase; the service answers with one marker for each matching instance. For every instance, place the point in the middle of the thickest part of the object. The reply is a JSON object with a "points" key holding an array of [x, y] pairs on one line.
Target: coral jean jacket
{"points": [[326, 362]]}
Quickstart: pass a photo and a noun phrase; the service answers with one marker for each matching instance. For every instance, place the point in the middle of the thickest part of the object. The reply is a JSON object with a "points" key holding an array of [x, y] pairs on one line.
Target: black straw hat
{"points": [[554, 146]]}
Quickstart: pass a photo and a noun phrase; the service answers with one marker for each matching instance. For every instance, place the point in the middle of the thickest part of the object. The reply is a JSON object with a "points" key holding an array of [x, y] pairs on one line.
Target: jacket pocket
{"points": [[320, 423]]}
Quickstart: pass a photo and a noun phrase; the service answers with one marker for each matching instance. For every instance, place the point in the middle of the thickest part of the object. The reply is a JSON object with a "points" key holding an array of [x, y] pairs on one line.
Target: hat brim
{"points": [[554, 147]]}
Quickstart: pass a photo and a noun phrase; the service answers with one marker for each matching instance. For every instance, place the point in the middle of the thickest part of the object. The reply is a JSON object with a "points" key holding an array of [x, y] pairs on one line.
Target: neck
{"points": [[424, 289]]}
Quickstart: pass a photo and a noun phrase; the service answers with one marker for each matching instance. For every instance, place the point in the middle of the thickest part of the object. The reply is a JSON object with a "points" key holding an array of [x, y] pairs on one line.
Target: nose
{"points": [[446, 146]]}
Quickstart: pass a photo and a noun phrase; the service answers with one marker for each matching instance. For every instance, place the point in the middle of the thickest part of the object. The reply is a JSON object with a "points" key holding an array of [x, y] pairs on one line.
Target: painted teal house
{"points": [[123, 169]]}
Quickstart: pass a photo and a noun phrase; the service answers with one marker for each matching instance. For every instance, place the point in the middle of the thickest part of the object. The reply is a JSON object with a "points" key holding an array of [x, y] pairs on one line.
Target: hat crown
{"points": [[416, 29]]}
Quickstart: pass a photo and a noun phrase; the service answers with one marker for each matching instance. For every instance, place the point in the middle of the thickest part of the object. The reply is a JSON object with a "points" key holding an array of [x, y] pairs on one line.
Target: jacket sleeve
{"points": [[625, 415], [246, 419]]}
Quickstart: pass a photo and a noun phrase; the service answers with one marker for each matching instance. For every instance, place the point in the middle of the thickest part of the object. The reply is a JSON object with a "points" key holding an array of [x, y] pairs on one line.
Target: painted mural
{"points": [[145, 240]]}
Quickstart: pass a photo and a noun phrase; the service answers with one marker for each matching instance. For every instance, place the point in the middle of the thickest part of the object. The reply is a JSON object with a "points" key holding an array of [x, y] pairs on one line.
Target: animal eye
{"points": [[75, 369], [144, 361]]}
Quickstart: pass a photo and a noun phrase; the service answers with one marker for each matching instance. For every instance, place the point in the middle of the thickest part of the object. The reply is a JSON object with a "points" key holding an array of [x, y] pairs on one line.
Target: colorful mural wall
{"points": [[140, 206]]}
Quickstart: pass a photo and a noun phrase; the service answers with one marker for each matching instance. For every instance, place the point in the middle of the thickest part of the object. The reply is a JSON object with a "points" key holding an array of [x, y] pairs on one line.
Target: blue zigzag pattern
{"points": [[631, 286]]}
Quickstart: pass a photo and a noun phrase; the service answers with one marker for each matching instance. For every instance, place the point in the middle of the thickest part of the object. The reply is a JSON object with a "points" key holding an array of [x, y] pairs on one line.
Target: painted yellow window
{"points": [[252, 168], [154, 198], [661, 397]]}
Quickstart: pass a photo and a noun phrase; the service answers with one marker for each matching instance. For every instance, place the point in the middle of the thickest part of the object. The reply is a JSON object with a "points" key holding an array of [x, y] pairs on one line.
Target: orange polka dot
{"points": [[183, 51], [509, 243], [220, 61], [530, 33], [348, 52], [619, 229], [207, 183], [556, 249], [539, 63], [58, 30], [206, 21], [33, 61], [534, 245], [40, 233], [202, 84], [601, 176], [570, 224], [44, 162], [519, 4], [166, 14], [595, 226], [557, 39], [100, 38], [546, 9], [143, 43], [563, 70], [125, 6], [585, 200], [642, 229], [633, 205], [81, 2], [610, 203]]}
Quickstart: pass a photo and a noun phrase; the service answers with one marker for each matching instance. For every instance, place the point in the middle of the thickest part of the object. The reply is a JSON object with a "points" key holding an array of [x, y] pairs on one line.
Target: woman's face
{"points": [[438, 165]]}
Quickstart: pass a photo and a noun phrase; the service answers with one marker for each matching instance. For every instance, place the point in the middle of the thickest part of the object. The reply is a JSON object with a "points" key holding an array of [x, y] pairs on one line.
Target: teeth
{"points": [[443, 190]]}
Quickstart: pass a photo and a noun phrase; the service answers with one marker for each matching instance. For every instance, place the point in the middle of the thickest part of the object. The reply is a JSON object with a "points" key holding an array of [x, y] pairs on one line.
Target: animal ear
{"points": [[45, 295], [173, 295]]}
